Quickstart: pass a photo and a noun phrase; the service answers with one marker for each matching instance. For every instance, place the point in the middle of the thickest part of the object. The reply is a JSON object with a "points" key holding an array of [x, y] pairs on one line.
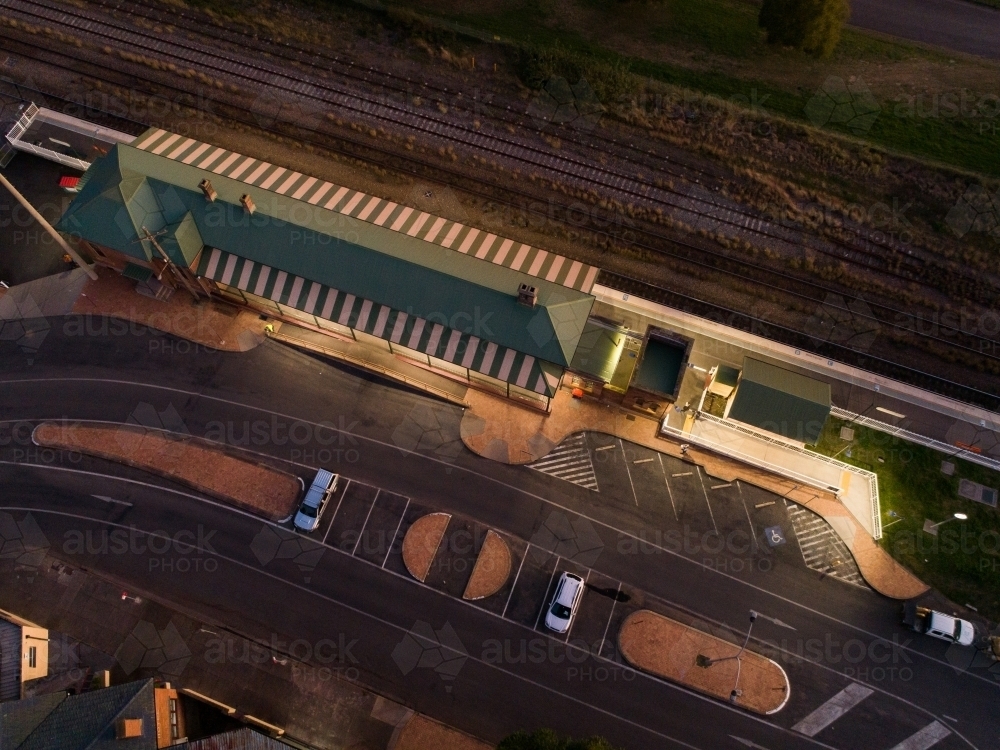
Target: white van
{"points": [[565, 602], [315, 501]]}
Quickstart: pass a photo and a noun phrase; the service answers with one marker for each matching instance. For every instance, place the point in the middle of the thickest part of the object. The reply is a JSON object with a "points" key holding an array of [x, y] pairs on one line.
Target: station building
{"points": [[174, 213]]}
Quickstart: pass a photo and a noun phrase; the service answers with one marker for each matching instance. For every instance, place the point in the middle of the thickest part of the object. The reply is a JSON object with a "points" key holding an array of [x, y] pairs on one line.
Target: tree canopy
{"points": [[812, 26]]}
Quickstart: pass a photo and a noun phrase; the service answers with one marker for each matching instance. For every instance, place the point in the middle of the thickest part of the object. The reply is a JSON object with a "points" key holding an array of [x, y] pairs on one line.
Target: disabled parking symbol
{"points": [[775, 536]]}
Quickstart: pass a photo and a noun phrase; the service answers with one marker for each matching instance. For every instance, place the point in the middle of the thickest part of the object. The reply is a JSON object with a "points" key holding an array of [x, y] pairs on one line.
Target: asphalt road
{"points": [[953, 24], [649, 538]]}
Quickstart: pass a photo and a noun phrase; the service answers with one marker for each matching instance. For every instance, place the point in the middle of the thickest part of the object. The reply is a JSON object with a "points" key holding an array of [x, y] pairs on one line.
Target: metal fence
{"points": [[952, 451], [867, 476]]}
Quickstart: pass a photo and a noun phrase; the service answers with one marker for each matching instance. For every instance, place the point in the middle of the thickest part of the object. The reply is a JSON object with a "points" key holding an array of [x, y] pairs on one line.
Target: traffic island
{"points": [[420, 545], [676, 652], [191, 461], [492, 568]]}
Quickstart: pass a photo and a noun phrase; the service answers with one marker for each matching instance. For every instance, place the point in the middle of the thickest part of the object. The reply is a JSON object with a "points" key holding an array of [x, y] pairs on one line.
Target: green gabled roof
{"points": [[130, 188], [781, 401]]}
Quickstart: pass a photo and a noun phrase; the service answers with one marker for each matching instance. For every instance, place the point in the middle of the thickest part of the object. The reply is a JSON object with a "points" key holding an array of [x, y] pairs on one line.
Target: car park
{"points": [[565, 603], [315, 501]]}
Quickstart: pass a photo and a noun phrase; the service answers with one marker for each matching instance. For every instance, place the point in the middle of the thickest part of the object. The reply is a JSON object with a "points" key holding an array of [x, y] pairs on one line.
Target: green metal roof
{"points": [[427, 336], [599, 350], [130, 189], [727, 375], [781, 401]]}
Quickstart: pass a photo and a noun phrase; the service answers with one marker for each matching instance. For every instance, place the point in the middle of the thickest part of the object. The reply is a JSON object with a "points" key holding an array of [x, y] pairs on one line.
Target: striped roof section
{"points": [[403, 219], [433, 339]]}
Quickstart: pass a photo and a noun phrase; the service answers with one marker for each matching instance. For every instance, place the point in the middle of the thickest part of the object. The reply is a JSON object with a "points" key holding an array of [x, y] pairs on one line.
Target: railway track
{"points": [[694, 205], [843, 353], [528, 156], [402, 85]]}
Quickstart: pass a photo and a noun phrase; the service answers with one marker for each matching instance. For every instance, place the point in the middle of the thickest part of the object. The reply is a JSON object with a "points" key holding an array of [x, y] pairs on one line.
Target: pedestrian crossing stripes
{"points": [[570, 461], [927, 737], [822, 549], [832, 710]]}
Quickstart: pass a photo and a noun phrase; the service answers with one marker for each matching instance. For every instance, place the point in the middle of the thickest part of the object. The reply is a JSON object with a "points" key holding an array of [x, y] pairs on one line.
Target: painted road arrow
{"points": [[776, 621], [748, 743], [107, 499]]}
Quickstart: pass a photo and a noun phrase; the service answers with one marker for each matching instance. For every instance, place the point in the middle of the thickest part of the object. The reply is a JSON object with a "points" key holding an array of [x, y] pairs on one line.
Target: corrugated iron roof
{"points": [[131, 189], [411, 331], [781, 401]]}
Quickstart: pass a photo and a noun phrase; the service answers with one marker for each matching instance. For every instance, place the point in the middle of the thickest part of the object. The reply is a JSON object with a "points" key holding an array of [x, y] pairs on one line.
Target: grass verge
{"points": [[963, 560]]}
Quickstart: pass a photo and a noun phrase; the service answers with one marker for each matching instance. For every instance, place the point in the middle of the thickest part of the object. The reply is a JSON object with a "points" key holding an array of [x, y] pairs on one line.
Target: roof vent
{"points": [[527, 295], [129, 728], [208, 190], [248, 204]]}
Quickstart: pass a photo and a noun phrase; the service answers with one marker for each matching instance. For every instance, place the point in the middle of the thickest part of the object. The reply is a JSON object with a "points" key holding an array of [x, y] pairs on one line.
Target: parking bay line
{"points": [[516, 576], [398, 527], [336, 511], [362, 532], [666, 481], [610, 618], [832, 710], [705, 493], [631, 483]]}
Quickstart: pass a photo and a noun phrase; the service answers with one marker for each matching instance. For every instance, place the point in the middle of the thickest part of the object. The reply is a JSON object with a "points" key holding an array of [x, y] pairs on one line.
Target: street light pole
{"points": [[932, 528], [89, 269], [704, 661]]}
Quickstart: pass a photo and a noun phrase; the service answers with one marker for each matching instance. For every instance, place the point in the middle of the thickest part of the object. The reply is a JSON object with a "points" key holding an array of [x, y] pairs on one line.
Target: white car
{"points": [[315, 501], [565, 602]]}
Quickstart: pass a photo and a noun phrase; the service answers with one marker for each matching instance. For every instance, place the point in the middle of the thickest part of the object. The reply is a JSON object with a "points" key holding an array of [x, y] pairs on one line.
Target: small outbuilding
{"points": [[781, 401]]}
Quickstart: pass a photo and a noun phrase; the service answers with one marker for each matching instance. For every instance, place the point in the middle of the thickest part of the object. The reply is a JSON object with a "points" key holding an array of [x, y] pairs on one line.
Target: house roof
{"points": [[87, 721], [131, 189], [19, 718], [781, 401]]}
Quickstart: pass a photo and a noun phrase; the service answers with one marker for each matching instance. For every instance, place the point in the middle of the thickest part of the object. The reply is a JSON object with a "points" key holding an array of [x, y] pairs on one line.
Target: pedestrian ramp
{"points": [[571, 461]]}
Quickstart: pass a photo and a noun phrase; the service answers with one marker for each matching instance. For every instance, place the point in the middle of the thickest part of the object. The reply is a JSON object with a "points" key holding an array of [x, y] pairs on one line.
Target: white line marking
{"points": [[705, 493], [112, 500], [336, 511], [395, 534], [605, 447], [451, 465], [401, 629], [722, 486], [659, 681], [683, 474], [516, 576], [627, 471], [930, 735], [610, 618], [832, 710], [362, 532], [643, 460], [670, 492]]}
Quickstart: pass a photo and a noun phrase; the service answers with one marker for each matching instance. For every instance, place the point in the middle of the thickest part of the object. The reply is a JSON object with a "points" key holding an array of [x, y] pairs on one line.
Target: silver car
{"points": [[315, 501], [565, 602]]}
